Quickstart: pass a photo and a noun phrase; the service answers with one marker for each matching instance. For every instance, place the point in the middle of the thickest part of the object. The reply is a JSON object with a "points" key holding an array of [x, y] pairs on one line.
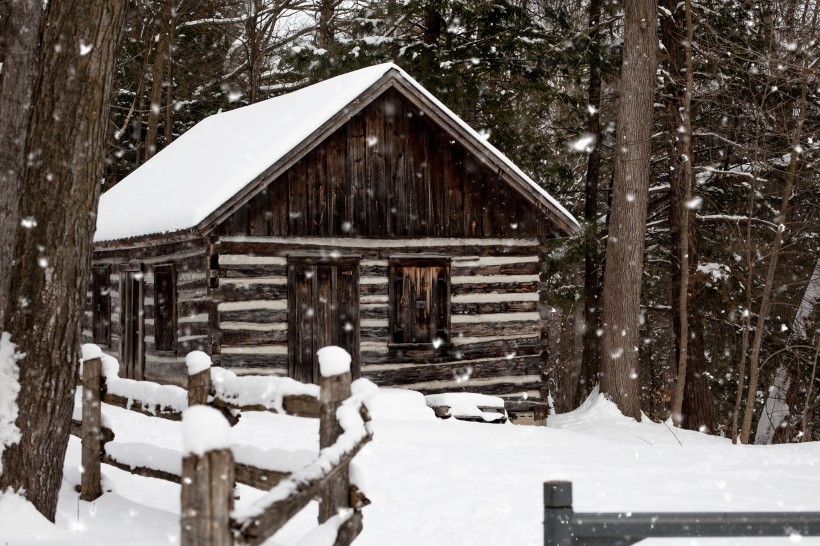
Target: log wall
{"points": [[193, 303], [495, 325]]}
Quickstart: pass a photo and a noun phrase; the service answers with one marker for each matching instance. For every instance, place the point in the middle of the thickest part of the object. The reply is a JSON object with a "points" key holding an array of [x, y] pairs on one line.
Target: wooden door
{"points": [[132, 361], [323, 309], [419, 295]]}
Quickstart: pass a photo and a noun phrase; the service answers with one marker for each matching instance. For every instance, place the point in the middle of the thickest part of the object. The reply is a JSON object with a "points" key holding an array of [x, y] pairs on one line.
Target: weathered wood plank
{"points": [[379, 248], [257, 530], [497, 287], [461, 370], [136, 406], [106, 434], [141, 470], [278, 206], [375, 165], [300, 405], [199, 387], [356, 206], [492, 307], [251, 361], [336, 490], [206, 498], [268, 316], [349, 530], [260, 478], [481, 329], [245, 292], [494, 389], [253, 337], [396, 140], [448, 353], [169, 251], [338, 217], [515, 268], [91, 487]]}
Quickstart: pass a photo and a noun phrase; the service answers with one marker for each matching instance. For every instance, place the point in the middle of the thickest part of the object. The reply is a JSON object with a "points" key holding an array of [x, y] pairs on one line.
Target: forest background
{"points": [[731, 188]]}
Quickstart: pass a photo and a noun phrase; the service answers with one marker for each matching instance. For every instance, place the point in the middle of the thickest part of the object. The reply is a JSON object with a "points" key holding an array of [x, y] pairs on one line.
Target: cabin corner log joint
{"points": [[384, 225]]}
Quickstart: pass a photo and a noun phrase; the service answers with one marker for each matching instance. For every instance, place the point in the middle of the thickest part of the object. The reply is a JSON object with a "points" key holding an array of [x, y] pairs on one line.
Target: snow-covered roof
{"points": [[209, 164]]}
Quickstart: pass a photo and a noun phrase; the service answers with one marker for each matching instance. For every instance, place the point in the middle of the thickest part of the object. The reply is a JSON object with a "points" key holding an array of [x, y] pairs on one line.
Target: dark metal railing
{"points": [[565, 527]]}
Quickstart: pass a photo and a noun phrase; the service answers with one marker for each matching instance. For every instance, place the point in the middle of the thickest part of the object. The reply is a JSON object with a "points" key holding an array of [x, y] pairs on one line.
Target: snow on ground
{"points": [[447, 482]]}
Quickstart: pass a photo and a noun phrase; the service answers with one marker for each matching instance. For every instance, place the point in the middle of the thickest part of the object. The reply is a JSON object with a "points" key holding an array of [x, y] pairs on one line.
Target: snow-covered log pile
{"points": [[468, 406]]}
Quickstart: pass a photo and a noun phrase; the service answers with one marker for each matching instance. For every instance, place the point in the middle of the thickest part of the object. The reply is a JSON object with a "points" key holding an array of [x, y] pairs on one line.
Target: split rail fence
{"points": [[207, 516], [565, 527]]}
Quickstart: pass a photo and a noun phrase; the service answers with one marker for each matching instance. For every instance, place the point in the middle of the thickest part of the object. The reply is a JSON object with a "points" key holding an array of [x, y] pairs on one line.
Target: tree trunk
{"points": [[697, 409], [627, 226], [566, 374], [791, 175], [169, 88], [592, 289], [21, 40], [326, 12], [50, 275], [155, 108], [687, 340]]}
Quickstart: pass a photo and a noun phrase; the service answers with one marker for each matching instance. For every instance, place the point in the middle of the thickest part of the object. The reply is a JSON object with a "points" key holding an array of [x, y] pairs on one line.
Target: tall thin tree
{"points": [[592, 292], [627, 224]]}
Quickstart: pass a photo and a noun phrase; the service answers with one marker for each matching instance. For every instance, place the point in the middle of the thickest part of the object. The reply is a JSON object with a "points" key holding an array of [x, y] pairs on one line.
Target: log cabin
{"points": [[358, 212]]}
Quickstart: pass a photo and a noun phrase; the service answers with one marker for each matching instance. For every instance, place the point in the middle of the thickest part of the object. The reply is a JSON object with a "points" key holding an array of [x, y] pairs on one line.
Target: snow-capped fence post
{"points": [[334, 386], [90, 487], [557, 513], [206, 498], [199, 377]]}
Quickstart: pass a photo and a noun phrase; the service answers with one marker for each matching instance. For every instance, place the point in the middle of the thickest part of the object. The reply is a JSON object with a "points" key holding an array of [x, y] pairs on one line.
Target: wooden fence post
{"points": [[91, 487], [199, 377], [558, 513], [199, 387], [333, 391], [207, 480]]}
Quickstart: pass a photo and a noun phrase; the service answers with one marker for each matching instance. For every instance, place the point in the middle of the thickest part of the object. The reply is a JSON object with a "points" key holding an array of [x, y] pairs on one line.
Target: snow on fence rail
{"points": [[565, 527], [207, 474]]}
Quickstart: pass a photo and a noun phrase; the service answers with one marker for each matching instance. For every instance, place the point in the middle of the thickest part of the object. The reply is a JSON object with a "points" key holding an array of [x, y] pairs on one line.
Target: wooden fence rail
{"points": [[565, 527], [207, 479]]}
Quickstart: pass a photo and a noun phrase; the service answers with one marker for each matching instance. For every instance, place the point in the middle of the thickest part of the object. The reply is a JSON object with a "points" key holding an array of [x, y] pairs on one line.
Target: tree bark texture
{"points": [[592, 290], [154, 110], [567, 373], [50, 275], [692, 402], [327, 9], [21, 39], [627, 226]]}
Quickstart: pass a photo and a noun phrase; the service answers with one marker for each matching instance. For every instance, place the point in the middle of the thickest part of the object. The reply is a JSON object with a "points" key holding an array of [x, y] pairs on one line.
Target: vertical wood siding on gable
{"points": [[389, 171]]}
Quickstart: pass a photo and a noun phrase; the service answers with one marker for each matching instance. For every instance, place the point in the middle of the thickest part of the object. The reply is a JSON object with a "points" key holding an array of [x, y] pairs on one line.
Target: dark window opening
{"points": [[165, 307], [101, 305], [419, 293]]}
